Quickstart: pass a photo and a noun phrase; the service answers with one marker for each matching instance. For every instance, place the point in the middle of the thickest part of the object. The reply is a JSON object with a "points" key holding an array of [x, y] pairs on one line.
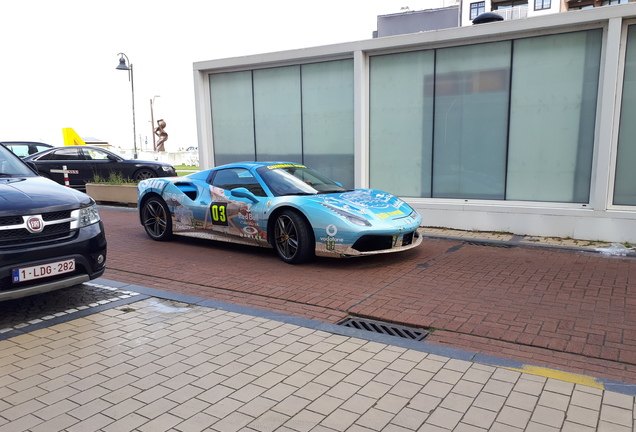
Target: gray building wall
{"points": [[417, 21]]}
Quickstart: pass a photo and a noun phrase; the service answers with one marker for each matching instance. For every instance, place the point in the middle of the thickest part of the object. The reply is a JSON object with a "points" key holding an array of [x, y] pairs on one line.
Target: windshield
{"points": [[12, 166], [292, 179]]}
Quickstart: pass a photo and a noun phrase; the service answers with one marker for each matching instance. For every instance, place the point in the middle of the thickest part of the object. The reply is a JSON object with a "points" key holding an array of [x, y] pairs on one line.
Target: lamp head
{"points": [[122, 64]]}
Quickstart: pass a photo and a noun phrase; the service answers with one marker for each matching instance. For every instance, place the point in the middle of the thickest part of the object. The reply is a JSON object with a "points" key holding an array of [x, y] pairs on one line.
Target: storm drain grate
{"points": [[385, 328], [489, 244]]}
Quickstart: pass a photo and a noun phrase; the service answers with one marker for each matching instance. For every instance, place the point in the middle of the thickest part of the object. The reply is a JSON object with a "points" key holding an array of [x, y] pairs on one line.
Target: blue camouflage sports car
{"points": [[287, 206]]}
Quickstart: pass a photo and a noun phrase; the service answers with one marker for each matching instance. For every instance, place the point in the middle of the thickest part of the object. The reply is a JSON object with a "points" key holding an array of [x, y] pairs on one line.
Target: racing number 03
{"points": [[218, 212]]}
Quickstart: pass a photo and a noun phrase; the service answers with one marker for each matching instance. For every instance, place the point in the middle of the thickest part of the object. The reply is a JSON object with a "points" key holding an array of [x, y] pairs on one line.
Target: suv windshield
{"points": [[12, 166], [292, 179]]}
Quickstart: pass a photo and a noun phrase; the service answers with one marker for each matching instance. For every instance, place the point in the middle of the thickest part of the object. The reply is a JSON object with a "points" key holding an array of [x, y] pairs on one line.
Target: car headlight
{"points": [[88, 215], [357, 220], [167, 169]]}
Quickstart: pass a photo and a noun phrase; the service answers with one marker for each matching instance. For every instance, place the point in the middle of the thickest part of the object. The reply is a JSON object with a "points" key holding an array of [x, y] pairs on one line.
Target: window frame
{"points": [[475, 9]]}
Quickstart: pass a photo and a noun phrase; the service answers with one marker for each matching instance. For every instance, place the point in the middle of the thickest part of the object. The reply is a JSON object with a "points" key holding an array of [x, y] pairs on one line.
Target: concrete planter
{"points": [[113, 194]]}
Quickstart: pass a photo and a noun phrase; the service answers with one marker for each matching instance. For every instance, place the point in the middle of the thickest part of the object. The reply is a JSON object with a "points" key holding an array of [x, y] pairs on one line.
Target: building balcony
{"points": [[512, 13]]}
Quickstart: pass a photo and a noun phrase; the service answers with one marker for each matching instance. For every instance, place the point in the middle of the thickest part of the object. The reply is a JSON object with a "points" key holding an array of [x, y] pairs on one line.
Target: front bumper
{"points": [[402, 242], [87, 247]]}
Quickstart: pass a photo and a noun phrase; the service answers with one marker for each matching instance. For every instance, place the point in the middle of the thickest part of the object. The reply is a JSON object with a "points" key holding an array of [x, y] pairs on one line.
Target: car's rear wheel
{"points": [[293, 239], [156, 219], [144, 174]]}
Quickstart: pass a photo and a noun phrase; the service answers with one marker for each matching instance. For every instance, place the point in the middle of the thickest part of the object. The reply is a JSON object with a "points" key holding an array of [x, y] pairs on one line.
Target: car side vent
{"points": [[385, 328], [188, 189]]}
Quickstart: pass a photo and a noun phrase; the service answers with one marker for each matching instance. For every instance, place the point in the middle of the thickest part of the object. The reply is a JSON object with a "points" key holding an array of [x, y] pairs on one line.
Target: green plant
{"points": [[628, 245], [113, 179], [186, 169]]}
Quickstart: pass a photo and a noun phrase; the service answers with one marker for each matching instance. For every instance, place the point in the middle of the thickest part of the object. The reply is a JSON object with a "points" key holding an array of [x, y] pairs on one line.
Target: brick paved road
{"points": [[562, 309]]}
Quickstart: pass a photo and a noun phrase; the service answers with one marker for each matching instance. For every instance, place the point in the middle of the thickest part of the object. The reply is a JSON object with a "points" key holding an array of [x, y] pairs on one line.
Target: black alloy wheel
{"points": [[156, 219], [143, 174], [293, 239]]}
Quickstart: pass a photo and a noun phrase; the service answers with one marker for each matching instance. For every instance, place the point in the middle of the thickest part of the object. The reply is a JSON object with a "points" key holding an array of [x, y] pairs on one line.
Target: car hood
{"points": [[372, 203], [20, 195]]}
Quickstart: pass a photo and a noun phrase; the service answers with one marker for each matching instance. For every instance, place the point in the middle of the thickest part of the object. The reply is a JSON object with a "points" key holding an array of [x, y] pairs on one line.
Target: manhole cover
{"points": [[489, 244], [385, 328]]}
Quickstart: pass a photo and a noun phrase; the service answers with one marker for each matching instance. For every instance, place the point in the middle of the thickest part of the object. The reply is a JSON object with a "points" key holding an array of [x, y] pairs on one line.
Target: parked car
{"points": [[51, 237], [25, 148], [83, 163], [287, 206]]}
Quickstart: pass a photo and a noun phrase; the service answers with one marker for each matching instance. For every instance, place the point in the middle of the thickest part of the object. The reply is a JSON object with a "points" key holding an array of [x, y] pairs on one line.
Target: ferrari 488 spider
{"points": [[287, 206]]}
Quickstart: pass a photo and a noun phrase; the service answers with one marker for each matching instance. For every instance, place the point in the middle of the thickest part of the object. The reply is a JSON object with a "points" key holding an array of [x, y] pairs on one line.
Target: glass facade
{"points": [[471, 121], [509, 120], [552, 117], [625, 184], [296, 113], [401, 123], [327, 119], [277, 126], [232, 117]]}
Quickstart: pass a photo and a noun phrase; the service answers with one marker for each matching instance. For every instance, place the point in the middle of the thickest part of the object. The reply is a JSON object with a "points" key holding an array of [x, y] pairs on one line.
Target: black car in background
{"points": [[26, 148], [51, 236], [84, 163]]}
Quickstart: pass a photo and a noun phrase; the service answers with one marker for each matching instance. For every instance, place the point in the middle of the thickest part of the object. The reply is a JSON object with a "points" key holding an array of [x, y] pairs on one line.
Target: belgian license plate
{"points": [[43, 271]]}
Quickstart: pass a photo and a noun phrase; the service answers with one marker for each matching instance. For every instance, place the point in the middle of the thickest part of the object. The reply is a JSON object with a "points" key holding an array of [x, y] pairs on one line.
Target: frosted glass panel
{"points": [[327, 106], [277, 114], [401, 123], [552, 115], [232, 119], [471, 121], [625, 188]]}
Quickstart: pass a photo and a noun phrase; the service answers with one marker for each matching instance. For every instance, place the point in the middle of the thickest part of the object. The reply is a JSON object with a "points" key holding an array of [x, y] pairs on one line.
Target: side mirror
{"points": [[113, 158], [244, 193]]}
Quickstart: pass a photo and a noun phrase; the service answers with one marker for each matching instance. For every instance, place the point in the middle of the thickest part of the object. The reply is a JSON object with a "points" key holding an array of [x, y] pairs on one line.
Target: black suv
{"points": [[51, 236]]}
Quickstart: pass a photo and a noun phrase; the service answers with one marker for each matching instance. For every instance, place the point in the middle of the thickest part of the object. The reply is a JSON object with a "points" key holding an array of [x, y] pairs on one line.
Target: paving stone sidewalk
{"points": [[162, 365]]}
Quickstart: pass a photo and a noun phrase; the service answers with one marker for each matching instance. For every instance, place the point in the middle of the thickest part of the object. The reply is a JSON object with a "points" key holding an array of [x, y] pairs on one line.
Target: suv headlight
{"points": [[167, 169], [87, 216]]}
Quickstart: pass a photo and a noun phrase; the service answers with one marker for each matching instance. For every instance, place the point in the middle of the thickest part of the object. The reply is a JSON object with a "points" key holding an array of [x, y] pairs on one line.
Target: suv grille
{"points": [[13, 230]]}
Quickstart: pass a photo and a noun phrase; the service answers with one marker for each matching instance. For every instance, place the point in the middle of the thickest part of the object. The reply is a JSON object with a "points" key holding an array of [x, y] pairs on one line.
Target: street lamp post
{"points": [[152, 122], [123, 59]]}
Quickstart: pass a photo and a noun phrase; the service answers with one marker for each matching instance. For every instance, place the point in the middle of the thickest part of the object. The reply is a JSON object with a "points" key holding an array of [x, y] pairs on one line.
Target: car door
{"points": [[101, 163], [65, 161], [237, 216]]}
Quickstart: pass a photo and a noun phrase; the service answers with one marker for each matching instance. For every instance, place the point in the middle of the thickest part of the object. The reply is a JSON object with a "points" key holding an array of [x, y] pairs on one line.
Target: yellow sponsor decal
{"points": [[561, 376], [389, 214], [285, 166]]}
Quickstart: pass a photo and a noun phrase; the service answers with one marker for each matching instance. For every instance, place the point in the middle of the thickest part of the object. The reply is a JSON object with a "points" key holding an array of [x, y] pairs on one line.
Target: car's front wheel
{"points": [[144, 174], [156, 219], [293, 238]]}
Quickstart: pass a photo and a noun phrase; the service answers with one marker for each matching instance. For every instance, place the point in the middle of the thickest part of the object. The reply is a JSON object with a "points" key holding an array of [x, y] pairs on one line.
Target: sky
{"points": [[59, 58]]}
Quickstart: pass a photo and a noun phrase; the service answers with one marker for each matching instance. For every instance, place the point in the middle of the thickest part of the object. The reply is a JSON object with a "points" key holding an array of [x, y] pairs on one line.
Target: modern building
{"points": [[456, 13], [523, 126]]}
